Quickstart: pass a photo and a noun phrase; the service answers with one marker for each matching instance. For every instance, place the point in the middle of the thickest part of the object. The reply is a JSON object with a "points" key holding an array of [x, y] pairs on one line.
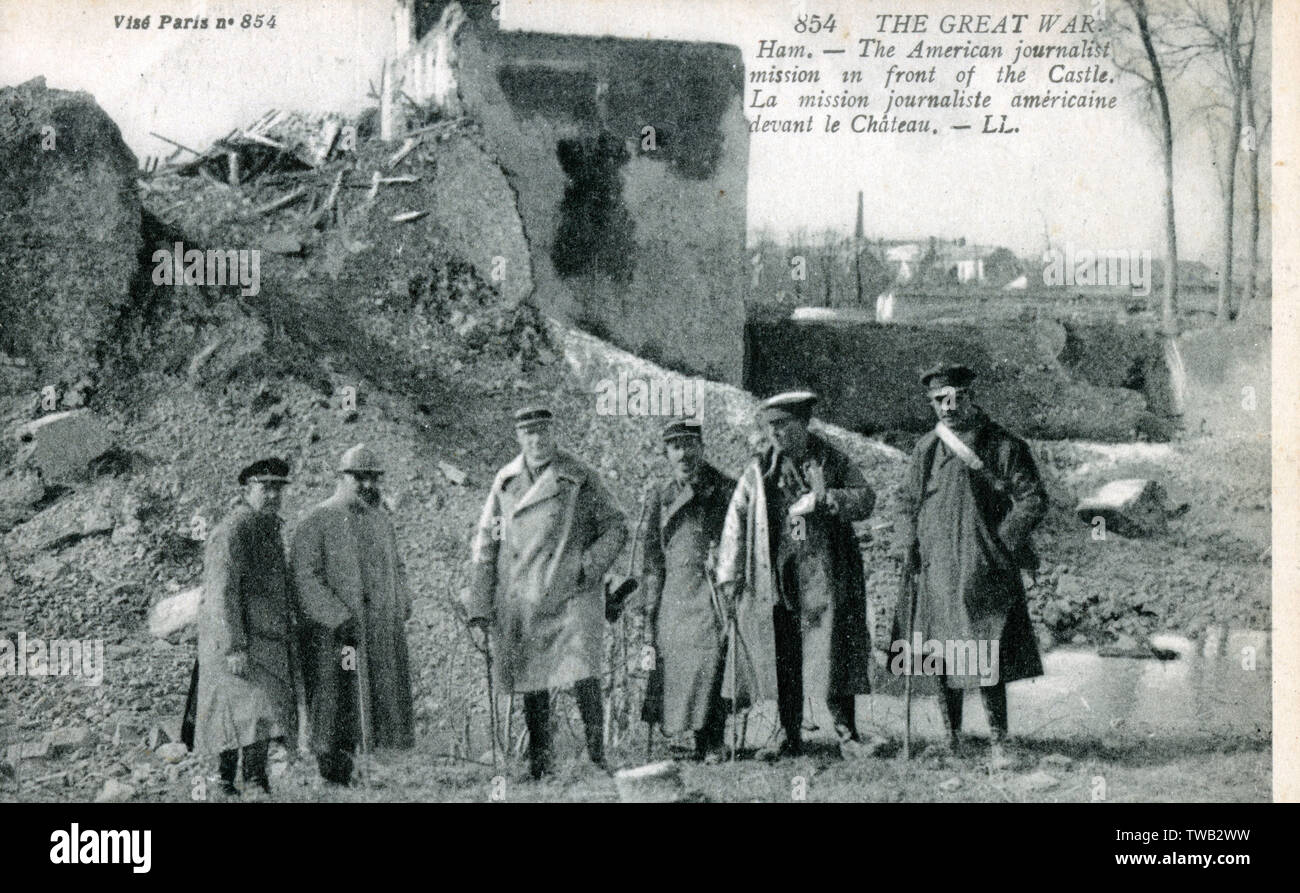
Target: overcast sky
{"points": [[1093, 178]]}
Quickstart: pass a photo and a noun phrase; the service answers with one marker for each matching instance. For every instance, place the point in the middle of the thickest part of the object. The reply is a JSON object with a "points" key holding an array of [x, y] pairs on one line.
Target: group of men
{"points": [[317, 638], [752, 590]]}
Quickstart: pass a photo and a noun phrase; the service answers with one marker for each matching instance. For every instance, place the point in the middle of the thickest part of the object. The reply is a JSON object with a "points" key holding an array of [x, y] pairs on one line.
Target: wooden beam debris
{"points": [[176, 144], [283, 201], [408, 216], [407, 148]]}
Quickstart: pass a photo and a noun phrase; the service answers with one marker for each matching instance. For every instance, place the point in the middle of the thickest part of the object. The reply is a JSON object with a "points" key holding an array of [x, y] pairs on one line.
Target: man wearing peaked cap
{"points": [[266, 471], [548, 533], [681, 525], [248, 675], [790, 568], [968, 507], [944, 375], [355, 603], [531, 416], [789, 405]]}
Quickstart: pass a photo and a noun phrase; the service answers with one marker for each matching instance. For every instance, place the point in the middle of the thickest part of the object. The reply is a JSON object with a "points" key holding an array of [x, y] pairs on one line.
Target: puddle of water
{"points": [[1082, 694]]}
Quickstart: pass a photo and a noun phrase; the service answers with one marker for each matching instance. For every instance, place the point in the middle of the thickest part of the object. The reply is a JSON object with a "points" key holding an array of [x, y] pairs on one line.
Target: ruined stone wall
{"points": [[1043, 379], [641, 245]]}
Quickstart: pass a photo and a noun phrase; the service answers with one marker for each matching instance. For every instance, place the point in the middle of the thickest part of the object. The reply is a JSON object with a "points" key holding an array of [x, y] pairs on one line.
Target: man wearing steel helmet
{"points": [[354, 600]]}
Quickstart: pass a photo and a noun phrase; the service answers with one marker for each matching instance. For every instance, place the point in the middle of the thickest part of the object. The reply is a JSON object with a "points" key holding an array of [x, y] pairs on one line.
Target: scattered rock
{"points": [[1038, 781], [452, 473], [950, 785], [62, 444], [28, 750], [172, 751], [62, 742], [165, 730], [172, 615], [114, 791], [1133, 508], [127, 731], [281, 243]]}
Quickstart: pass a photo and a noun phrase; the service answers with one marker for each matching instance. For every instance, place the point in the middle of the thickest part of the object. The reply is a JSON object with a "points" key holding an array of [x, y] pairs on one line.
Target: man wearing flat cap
{"points": [[548, 533], [971, 499], [355, 603], [681, 527], [248, 673], [790, 565]]}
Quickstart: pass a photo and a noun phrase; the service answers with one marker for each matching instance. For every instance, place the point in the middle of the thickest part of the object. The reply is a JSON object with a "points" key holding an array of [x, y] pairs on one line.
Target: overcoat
{"points": [[830, 583], [539, 555], [964, 535], [246, 606], [346, 567], [681, 524]]}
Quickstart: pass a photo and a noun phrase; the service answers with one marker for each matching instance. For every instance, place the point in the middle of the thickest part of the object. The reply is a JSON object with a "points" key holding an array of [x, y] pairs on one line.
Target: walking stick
{"points": [[909, 589], [510, 721], [492, 700], [735, 661], [363, 684]]}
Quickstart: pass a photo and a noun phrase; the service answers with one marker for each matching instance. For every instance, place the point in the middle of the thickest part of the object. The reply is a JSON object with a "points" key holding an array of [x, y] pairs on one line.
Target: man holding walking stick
{"points": [[970, 502], [548, 533], [789, 566], [354, 601]]}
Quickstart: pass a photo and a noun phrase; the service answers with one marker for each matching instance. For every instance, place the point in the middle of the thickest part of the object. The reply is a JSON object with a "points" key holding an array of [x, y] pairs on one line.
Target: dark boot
{"points": [[228, 765], [537, 716], [335, 767], [953, 700], [255, 765], [587, 694]]}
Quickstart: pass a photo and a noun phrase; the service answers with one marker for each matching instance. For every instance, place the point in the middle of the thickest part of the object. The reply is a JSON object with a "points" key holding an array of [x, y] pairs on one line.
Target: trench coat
{"points": [[963, 536], [830, 583], [682, 523], [346, 567], [246, 606], [540, 552]]}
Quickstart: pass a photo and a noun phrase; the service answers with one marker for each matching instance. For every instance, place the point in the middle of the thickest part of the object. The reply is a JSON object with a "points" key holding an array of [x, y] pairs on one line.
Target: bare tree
{"points": [[1255, 98], [1224, 34], [1149, 69]]}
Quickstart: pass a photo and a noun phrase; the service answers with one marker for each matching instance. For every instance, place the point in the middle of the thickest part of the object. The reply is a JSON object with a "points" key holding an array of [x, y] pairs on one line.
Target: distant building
{"points": [[904, 260]]}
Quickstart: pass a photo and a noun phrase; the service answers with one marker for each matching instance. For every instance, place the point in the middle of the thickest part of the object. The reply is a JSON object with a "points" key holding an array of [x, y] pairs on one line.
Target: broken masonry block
{"points": [[1132, 508]]}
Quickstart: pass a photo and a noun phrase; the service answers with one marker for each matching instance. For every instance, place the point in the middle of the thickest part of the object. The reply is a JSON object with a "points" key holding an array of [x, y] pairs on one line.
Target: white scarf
{"points": [[958, 446]]}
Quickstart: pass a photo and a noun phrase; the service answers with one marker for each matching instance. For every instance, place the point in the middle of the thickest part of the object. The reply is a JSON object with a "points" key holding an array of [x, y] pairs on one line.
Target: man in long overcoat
{"points": [[355, 603], [790, 565], [971, 500], [248, 672], [682, 525], [548, 533]]}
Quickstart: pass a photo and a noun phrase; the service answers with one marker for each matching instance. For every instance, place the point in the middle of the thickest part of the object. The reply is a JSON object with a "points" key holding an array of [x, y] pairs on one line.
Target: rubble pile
{"points": [[69, 235]]}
